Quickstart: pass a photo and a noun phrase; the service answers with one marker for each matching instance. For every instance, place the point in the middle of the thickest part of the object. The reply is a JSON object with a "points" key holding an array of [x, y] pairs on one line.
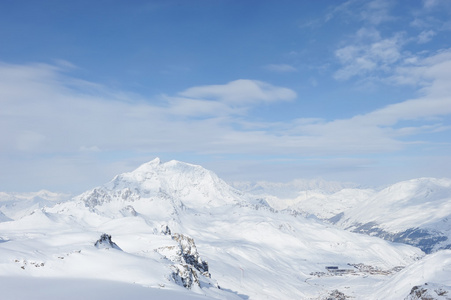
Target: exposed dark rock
{"points": [[165, 230], [429, 291], [336, 295], [105, 242], [99, 196], [336, 218], [426, 240], [185, 275], [129, 211], [186, 259], [189, 253], [96, 197]]}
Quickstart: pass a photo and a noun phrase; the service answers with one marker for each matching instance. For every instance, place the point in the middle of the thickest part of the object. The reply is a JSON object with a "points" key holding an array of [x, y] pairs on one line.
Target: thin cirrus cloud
{"points": [[426, 36], [360, 59], [280, 68], [370, 12]]}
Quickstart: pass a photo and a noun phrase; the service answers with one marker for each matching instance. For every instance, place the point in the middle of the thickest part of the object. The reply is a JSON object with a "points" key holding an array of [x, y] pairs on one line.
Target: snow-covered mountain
{"points": [[16, 205], [190, 184], [415, 212], [183, 233], [282, 195]]}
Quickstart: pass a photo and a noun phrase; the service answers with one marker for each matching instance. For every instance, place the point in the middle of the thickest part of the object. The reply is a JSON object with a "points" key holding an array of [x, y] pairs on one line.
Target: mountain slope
{"points": [[178, 227], [430, 277], [415, 212]]}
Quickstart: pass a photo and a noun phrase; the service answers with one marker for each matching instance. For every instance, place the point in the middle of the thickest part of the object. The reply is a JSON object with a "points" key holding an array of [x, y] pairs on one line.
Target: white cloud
{"points": [[281, 68], [371, 12], [377, 11], [204, 119], [431, 74], [369, 34], [419, 23], [430, 3], [362, 58], [241, 92], [89, 149], [188, 107], [425, 36], [45, 115]]}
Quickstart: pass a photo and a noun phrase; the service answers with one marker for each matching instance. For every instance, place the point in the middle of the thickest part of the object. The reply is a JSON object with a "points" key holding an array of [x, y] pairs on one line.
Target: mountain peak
{"points": [[192, 184], [148, 165]]}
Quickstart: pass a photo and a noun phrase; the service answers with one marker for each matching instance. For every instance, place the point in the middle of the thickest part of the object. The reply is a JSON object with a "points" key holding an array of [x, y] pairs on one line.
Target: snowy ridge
{"points": [[416, 212], [305, 196], [4, 218], [416, 203], [170, 219], [36, 196], [17, 205], [289, 190]]}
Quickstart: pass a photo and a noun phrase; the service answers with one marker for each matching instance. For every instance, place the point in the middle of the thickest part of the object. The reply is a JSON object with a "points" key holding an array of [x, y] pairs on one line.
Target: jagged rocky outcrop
{"points": [[429, 291], [190, 255], [188, 264], [185, 275], [165, 230], [336, 295], [105, 242], [101, 195], [128, 211]]}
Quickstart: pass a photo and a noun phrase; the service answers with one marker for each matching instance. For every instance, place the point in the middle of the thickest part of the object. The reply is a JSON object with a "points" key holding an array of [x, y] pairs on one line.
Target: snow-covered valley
{"points": [[177, 231]]}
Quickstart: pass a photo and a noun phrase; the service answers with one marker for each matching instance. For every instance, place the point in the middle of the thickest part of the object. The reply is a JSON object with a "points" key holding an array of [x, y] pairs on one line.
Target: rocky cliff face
{"points": [[189, 254], [188, 265]]}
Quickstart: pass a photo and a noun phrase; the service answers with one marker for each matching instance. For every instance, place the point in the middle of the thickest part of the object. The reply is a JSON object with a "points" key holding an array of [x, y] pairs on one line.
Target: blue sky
{"points": [[254, 90]]}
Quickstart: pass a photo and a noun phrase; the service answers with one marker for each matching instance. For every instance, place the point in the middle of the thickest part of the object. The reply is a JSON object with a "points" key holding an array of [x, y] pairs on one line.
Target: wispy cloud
{"points": [[362, 58], [281, 68], [241, 92], [432, 3], [47, 114], [425, 36], [373, 53], [40, 117], [371, 12]]}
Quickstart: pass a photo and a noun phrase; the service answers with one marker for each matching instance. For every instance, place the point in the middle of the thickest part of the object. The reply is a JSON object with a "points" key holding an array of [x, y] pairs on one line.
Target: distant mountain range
{"points": [[183, 233], [416, 212]]}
